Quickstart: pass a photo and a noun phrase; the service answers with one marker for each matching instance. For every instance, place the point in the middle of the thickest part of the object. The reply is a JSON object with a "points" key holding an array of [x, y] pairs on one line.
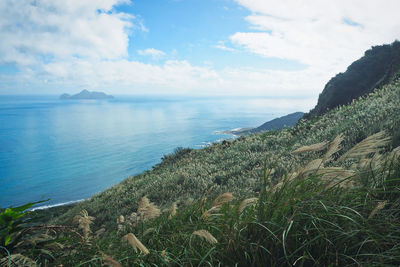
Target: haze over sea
{"points": [[68, 150]]}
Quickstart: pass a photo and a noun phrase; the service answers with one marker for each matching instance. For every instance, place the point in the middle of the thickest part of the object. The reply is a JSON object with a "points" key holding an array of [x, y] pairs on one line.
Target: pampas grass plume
{"points": [[143, 203], [206, 235], [247, 202], [121, 219], [211, 211], [164, 255], [221, 199], [311, 148], [110, 261], [174, 207], [17, 260], [135, 243], [312, 166], [378, 207], [147, 210], [369, 145], [84, 221], [334, 147]]}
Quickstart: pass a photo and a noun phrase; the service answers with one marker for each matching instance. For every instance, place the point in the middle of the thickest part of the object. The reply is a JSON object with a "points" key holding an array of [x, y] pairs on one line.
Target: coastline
{"points": [[237, 131], [45, 207]]}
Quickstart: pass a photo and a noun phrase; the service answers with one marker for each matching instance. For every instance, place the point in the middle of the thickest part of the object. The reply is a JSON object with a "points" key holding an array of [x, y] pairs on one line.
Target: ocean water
{"points": [[68, 150]]}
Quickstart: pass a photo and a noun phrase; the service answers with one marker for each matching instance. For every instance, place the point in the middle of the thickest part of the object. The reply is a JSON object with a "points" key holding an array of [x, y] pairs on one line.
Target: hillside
{"points": [[237, 165], [336, 213], [322, 193], [378, 66], [281, 122], [276, 124]]}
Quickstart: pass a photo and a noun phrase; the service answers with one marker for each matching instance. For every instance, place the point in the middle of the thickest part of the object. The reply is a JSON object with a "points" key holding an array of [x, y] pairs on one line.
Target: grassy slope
{"points": [[302, 223], [237, 166]]}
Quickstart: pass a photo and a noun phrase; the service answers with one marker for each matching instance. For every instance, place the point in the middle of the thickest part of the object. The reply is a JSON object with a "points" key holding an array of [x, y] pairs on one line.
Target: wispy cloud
{"points": [[154, 53], [221, 45]]}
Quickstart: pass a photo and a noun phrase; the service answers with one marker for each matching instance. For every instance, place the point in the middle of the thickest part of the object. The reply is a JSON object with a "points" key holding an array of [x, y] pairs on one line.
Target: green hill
{"points": [[236, 166], [379, 66], [276, 124], [299, 215]]}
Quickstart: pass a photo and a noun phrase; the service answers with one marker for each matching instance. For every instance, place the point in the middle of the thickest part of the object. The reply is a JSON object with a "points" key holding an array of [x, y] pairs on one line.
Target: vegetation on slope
{"points": [[236, 166], [322, 193], [306, 221], [286, 121], [377, 67]]}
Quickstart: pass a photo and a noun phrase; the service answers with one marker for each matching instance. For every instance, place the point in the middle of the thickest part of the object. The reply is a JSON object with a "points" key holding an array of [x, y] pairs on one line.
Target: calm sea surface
{"points": [[68, 150]]}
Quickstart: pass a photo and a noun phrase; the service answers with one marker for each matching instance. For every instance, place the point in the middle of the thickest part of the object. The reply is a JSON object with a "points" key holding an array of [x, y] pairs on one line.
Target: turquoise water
{"points": [[70, 150]]}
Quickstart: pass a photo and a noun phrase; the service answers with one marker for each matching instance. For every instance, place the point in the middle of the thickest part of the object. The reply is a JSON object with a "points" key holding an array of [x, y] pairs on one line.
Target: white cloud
{"points": [[154, 53], [221, 45], [74, 44], [316, 33], [125, 76], [172, 77], [33, 31]]}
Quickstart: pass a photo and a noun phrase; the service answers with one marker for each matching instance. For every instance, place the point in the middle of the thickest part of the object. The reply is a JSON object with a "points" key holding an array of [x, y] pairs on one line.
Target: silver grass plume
{"points": [[84, 221], [147, 210], [334, 147], [371, 144], [311, 148], [206, 236], [247, 203], [135, 243], [378, 207], [17, 260]]}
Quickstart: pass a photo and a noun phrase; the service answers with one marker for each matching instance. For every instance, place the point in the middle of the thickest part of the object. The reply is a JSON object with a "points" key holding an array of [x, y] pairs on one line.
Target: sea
{"points": [[69, 150]]}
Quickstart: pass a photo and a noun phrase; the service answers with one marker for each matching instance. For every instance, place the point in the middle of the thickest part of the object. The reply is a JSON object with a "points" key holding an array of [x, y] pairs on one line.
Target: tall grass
{"points": [[308, 219], [302, 223], [330, 202]]}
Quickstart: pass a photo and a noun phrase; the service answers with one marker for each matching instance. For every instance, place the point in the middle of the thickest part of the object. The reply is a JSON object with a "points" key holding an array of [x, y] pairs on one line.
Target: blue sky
{"points": [[192, 30], [186, 47]]}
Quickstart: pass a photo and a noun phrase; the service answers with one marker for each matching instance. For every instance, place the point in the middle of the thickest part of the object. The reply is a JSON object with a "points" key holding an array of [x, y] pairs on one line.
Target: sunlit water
{"points": [[68, 150]]}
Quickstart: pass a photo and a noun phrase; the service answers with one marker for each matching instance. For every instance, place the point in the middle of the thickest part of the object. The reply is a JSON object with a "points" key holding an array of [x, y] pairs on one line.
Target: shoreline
{"points": [[45, 207], [237, 131]]}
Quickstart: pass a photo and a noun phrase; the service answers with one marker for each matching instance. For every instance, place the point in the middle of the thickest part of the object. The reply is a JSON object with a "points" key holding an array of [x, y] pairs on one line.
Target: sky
{"points": [[187, 47]]}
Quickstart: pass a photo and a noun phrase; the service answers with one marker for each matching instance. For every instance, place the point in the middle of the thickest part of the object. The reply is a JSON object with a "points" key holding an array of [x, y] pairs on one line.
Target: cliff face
{"points": [[378, 66]]}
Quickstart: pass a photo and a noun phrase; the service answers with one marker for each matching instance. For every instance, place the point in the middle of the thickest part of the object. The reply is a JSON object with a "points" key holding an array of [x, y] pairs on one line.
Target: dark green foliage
{"points": [[24, 240], [377, 67], [178, 154], [13, 220]]}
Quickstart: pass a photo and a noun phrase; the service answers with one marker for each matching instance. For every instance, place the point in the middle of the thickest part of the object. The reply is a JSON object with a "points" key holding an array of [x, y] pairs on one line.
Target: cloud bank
{"points": [[65, 45], [322, 34], [37, 31]]}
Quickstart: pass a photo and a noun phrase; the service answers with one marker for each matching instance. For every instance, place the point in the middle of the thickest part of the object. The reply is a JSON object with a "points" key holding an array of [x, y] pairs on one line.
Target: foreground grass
{"points": [[305, 222]]}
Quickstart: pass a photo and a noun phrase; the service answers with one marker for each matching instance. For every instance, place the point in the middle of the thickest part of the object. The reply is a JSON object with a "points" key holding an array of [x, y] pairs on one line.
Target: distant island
{"points": [[85, 94]]}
